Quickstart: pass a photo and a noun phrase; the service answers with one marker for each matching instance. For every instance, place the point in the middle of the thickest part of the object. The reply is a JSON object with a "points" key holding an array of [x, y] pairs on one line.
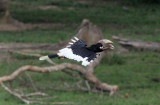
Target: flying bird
{"points": [[77, 50]]}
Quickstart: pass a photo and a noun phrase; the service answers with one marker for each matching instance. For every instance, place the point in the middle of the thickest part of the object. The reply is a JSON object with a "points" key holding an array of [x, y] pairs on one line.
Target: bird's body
{"points": [[78, 50]]}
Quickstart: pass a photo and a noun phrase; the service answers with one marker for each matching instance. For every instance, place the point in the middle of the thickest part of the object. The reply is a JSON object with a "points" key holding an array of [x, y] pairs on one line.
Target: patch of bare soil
{"points": [[85, 1], [46, 7], [47, 25], [14, 25], [29, 26]]}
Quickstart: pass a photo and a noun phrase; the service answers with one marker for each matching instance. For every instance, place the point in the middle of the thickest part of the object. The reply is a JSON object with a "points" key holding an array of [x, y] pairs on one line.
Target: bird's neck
{"points": [[95, 47]]}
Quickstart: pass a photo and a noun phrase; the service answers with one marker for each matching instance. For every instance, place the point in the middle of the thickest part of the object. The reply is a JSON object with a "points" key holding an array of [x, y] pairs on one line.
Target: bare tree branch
{"points": [[42, 69], [24, 99], [35, 94], [89, 33], [27, 46], [25, 54], [14, 93], [88, 75], [138, 44], [52, 103]]}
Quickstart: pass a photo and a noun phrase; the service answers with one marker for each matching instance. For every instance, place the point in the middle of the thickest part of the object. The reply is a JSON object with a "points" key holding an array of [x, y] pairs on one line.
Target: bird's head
{"points": [[106, 44]]}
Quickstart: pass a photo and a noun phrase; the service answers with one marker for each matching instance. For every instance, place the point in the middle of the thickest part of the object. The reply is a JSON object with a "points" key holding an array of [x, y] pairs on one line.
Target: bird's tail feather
{"points": [[53, 56], [43, 58]]}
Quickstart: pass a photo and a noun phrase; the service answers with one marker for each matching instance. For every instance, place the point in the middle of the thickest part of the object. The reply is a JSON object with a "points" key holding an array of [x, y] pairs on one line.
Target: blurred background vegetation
{"points": [[58, 20]]}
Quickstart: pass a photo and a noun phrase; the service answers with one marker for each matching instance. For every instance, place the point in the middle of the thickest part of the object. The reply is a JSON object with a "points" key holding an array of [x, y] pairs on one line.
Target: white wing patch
{"points": [[67, 52]]}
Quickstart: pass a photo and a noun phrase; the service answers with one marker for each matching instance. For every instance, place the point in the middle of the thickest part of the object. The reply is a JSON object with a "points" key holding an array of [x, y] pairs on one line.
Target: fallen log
{"points": [[87, 75], [29, 46], [139, 45]]}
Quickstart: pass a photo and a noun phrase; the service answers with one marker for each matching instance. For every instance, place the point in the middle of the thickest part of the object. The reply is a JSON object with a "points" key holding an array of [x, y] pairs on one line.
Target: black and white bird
{"points": [[78, 50]]}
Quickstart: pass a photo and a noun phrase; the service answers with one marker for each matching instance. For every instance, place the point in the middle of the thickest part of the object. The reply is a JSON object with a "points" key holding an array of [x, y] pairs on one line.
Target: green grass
{"points": [[37, 36], [133, 77], [61, 34], [139, 22], [112, 13], [131, 71]]}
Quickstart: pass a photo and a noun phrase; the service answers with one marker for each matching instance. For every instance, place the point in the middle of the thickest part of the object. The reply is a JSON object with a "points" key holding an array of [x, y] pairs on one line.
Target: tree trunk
{"points": [[4, 12], [7, 23], [89, 32]]}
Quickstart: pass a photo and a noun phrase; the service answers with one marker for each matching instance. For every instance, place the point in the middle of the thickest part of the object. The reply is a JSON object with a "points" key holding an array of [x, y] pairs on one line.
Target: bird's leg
{"points": [[50, 61], [88, 86]]}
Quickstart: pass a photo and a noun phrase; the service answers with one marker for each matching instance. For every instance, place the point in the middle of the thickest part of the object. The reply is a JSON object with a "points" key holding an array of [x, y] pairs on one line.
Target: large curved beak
{"points": [[107, 46], [111, 46]]}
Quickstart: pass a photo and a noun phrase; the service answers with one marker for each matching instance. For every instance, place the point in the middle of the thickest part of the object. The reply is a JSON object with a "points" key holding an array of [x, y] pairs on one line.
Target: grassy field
{"points": [[132, 71]]}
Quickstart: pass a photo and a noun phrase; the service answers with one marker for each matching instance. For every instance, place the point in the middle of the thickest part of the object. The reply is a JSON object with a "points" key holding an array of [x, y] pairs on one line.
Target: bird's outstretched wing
{"points": [[77, 50]]}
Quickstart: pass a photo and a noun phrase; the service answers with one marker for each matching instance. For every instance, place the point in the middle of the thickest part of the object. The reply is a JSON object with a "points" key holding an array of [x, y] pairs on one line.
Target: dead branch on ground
{"points": [[87, 31], [31, 47], [139, 45], [26, 98], [87, 75]]}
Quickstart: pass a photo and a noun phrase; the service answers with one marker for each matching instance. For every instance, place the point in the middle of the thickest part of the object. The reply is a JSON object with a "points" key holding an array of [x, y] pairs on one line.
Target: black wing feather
{"points": [[79, 48]]}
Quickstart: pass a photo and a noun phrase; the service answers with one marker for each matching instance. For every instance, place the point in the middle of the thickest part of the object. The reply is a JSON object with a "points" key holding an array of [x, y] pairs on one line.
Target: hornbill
{"points": [[78, 50]]}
